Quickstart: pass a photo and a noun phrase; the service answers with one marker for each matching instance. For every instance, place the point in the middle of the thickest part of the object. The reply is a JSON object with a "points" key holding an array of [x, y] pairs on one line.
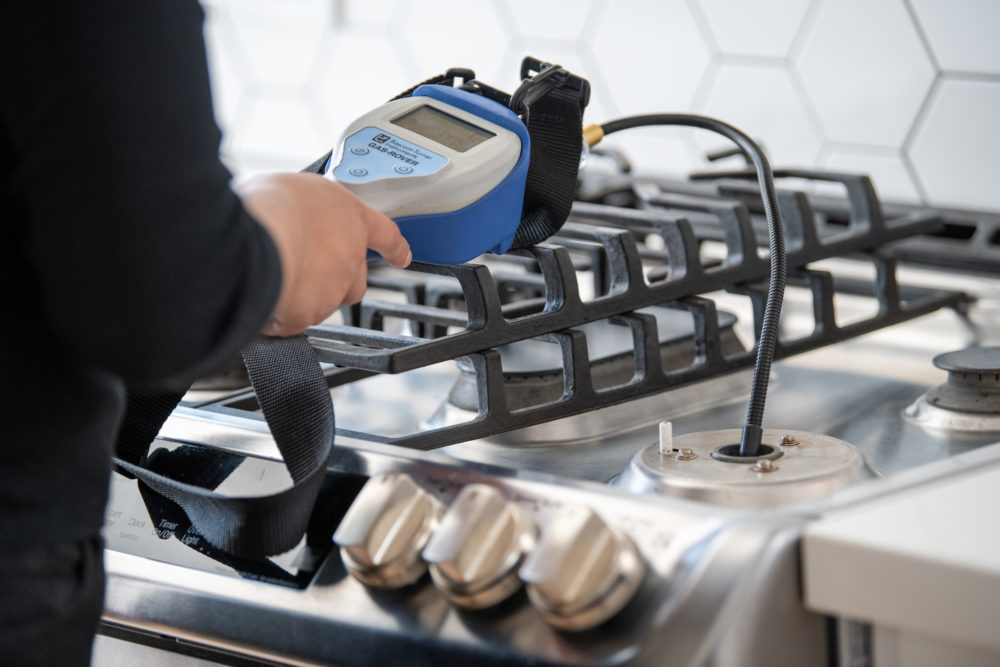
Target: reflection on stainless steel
{"points": [[475, 554], [583, 572], [815, 467]]}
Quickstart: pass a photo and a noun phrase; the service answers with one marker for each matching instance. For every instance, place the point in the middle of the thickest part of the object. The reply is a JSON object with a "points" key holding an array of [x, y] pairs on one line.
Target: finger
{"points": [[278, 328], [357, 289], [385, 238]]}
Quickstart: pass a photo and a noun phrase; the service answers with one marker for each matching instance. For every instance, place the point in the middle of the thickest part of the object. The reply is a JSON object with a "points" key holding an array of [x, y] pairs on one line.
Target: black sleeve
{"points": [[148, 266]]}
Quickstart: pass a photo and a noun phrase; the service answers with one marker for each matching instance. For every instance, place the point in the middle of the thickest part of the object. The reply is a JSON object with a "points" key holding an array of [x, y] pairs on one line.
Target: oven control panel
{"points": [[579, 570], [416, 557]]}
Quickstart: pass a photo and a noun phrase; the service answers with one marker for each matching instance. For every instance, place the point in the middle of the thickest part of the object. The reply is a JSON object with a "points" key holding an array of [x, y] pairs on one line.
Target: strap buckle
{"points": [[546, 78], [463, 73]]}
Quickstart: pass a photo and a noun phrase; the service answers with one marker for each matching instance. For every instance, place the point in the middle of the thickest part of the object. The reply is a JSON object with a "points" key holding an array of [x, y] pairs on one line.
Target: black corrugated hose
{"points": [[752, 431]]}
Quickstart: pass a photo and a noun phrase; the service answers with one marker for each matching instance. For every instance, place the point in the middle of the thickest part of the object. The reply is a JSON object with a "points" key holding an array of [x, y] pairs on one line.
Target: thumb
{"points": [[385, 238]]}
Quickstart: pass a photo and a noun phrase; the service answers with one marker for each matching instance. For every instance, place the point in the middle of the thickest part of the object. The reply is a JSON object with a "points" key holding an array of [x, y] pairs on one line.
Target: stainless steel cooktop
{"points": [[578, 436]]}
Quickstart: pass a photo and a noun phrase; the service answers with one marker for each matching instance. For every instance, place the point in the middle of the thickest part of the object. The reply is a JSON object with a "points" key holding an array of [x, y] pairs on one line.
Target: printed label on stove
{"points": [[140, 522]]}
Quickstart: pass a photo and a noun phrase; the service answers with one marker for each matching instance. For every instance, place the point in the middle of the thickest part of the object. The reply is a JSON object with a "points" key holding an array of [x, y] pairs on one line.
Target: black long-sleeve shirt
{"points": [[126, 257]]}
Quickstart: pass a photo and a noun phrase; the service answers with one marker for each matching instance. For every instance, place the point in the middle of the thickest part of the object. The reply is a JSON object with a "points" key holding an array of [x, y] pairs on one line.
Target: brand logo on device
{"points": [[382, 138]]}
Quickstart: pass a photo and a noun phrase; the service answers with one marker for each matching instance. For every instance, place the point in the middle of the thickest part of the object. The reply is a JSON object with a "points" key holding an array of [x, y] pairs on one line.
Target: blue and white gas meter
{"points": [[449, 166]]}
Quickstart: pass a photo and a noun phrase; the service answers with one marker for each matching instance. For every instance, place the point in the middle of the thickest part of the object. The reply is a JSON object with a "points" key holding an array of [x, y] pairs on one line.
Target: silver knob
{"points": [[583, 571], [385, 529], [475, 553]]}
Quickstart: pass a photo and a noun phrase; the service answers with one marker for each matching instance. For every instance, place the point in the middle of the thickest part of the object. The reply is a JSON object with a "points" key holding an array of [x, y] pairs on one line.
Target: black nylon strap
{"points": [[552, 109], [296, 403], [448, 78], [145, 412]]}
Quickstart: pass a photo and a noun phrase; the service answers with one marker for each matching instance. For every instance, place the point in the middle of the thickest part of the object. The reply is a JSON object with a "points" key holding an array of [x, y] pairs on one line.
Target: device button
{"points": [[359, 150], [357, 171], [403, 169]]}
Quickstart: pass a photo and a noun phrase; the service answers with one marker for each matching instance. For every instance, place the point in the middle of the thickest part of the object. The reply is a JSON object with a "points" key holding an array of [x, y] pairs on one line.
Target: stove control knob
{"points": [[583, 570], [386, 527], [476, 552]]}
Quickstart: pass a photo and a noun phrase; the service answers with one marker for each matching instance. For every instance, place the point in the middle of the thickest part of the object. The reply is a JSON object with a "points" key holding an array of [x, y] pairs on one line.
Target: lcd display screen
{"points": [[443, 128]]}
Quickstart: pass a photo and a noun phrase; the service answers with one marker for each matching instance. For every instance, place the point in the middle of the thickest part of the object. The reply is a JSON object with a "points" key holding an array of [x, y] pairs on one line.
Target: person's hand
{"points": [[323, 233]]}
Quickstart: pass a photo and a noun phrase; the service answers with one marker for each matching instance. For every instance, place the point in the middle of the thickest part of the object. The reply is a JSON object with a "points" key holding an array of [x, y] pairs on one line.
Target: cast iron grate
{"points": [[607, 264], [964, 240]]}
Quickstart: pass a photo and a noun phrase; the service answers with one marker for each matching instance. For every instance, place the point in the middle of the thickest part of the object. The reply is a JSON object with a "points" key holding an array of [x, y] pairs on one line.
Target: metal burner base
{"points": [[935, 418], [810, 466]]}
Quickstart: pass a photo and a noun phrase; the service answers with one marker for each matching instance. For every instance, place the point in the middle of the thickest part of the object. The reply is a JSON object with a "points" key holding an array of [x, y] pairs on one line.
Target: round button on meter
{"points": [[403, 169], [359, 150], [357, 171]]}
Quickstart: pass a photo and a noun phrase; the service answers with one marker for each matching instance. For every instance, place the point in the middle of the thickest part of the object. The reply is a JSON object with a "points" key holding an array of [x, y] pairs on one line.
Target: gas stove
{"points": [[582, 396]]}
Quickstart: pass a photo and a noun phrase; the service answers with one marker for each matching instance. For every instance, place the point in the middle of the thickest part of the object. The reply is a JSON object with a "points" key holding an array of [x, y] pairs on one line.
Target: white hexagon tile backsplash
{"points": [[906, 90]]}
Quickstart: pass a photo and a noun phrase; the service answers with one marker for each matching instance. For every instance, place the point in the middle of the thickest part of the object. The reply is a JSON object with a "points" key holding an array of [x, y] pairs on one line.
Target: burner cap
{"points": [[970, 360], [973, 384]]}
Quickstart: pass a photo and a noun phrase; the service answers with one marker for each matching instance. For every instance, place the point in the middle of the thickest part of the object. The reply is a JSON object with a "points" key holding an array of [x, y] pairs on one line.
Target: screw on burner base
{"points": [[788, 441], [685, 455], [764, 465]]}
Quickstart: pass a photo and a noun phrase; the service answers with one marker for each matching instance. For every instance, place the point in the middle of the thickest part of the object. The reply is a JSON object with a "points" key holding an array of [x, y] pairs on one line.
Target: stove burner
{"points": [[814, 467], [969, 400], [533, 376], [973, 381], [533, 369]]}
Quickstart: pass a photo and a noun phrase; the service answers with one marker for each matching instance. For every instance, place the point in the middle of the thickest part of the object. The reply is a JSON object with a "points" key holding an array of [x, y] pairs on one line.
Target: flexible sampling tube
{"points": [[753, 429]]}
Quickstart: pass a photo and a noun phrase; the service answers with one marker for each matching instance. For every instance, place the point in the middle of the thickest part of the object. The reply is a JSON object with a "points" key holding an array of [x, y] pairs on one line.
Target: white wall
{"points": [[906, 90]]}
